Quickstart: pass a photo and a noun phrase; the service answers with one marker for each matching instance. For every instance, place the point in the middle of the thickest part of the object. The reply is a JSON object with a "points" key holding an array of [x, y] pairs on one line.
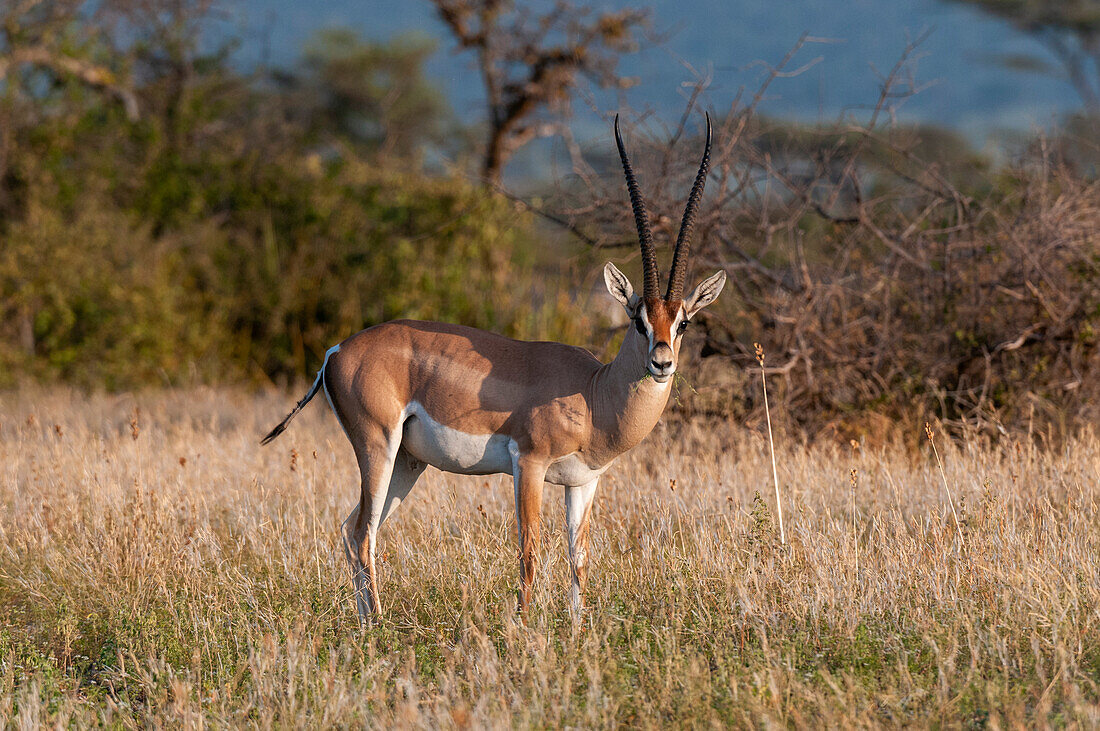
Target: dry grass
{"points": [[159, 568]]}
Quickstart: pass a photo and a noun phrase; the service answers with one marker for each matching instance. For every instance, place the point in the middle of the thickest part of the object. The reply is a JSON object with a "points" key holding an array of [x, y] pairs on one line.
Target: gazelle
{"points": [[411, 394]]}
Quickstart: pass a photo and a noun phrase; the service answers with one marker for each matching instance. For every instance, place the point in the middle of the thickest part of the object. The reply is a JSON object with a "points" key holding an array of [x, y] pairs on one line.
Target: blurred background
{"points": [[902, 191]]}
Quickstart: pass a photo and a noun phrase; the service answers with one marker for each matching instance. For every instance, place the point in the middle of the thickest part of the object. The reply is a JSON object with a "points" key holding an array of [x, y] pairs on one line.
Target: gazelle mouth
{"points": [[660, 377]]}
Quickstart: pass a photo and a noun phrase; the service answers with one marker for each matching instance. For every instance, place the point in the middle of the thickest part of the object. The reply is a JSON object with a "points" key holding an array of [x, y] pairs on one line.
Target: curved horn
{"points": [[679, 258], [651, 285]]}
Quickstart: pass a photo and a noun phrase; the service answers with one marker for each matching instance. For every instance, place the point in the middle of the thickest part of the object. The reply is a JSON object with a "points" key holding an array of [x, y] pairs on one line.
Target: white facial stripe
{"points": [[648, 328], [676, 323]]}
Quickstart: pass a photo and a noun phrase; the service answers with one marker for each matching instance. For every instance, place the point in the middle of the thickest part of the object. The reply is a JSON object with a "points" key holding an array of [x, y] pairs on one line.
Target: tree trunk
{"points": [[493, 167]]}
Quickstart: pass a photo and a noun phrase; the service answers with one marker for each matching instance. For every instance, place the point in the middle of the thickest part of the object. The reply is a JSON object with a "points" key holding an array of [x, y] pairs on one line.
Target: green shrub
{"points": [[276, 261], [91, 300]]}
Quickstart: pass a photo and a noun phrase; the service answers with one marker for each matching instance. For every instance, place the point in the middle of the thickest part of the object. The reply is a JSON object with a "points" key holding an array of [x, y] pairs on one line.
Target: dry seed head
{"points": [[928, 430], [854, 477], [135, 426], [759, 353]]}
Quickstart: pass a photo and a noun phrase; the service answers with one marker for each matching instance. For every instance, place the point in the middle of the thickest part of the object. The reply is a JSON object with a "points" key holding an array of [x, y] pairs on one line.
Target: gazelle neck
{"points": [[627, 401]]}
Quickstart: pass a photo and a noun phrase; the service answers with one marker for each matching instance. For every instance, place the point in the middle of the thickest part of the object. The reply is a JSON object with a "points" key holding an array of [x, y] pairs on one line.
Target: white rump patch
{"points": [[324, 387]]}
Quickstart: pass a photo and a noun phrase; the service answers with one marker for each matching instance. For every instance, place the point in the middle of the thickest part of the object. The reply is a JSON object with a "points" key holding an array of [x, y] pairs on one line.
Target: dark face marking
{"points": [[661, 315]]}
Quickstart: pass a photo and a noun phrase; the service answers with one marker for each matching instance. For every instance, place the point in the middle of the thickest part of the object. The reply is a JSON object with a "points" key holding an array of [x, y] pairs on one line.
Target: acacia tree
{"points": [[531, 64], [1069, 28]]}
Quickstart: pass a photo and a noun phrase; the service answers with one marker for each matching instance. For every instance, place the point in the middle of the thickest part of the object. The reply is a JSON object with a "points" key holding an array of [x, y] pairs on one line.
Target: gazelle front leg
{"points": [[527, 476], [578, 508]]}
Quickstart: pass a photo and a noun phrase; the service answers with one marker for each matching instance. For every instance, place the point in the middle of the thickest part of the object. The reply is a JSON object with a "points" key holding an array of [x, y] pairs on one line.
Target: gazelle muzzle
{"points": [[662, 363]]}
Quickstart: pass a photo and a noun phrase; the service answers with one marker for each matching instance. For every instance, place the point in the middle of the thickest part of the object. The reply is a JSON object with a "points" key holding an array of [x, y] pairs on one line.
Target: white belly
{"points": [[451, 450]]}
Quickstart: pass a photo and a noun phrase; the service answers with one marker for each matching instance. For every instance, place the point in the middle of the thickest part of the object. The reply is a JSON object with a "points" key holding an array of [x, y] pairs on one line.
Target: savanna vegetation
{"points": [[177, 232], [170, 219]]}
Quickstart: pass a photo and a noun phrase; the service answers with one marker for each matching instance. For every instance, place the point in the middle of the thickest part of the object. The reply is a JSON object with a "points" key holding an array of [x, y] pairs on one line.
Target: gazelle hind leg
{"points": [[376, 454], [578, 510], [358, 571], [404, 472]]}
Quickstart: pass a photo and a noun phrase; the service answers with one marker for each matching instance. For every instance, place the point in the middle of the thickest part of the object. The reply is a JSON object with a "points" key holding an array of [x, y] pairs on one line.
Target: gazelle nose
{"points": [[660, 360]]}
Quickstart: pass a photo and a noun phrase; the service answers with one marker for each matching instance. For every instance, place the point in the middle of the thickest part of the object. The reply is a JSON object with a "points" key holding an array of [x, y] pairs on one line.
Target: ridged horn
{"points": [[651, 285], [678, 271]]}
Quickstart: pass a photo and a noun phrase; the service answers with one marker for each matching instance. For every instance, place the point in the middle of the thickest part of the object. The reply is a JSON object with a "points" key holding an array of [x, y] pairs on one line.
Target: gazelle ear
{"points": [[707, 291], [619, 287]]}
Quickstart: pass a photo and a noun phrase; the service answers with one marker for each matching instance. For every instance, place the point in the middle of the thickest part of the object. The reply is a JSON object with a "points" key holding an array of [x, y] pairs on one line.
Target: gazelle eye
{"points": [[639, 324], [683, 326]]}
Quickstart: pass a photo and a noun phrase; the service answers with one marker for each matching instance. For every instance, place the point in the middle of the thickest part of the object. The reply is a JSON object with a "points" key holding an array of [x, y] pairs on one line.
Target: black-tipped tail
{"points": [[318, 383], [282, 425]]}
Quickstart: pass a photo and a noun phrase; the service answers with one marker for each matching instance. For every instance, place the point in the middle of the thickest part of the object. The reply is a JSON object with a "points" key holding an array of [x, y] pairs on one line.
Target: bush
{"points": [[278, 260], [91, 300]]}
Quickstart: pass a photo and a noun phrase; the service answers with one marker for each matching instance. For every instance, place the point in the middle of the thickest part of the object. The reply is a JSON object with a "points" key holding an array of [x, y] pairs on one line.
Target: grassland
{"points": [[158, 568]]}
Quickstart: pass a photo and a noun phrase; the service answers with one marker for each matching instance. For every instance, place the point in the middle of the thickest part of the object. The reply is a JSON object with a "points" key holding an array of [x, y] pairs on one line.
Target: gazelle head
{"points": [[662, 320]]}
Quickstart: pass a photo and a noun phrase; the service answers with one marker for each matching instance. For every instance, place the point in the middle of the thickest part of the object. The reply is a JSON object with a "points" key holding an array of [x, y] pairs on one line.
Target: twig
{"points": [[563, 223]]}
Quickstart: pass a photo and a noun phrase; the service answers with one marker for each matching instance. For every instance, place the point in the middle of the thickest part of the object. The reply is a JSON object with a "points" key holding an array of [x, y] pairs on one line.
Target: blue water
{"points": [[730, 41]]}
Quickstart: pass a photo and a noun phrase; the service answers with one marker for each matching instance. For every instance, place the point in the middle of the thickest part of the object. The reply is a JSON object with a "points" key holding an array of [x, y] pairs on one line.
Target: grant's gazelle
{"points": [[411, 394]]}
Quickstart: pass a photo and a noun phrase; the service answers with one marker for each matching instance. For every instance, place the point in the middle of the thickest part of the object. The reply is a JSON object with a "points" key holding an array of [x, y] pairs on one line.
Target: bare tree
{"points": [[531, 64]]}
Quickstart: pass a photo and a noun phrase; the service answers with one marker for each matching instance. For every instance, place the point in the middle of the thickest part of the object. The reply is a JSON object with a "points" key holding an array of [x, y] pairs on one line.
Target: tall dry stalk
{"points": [[771, 441], [854, 480], [943, 476]]}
